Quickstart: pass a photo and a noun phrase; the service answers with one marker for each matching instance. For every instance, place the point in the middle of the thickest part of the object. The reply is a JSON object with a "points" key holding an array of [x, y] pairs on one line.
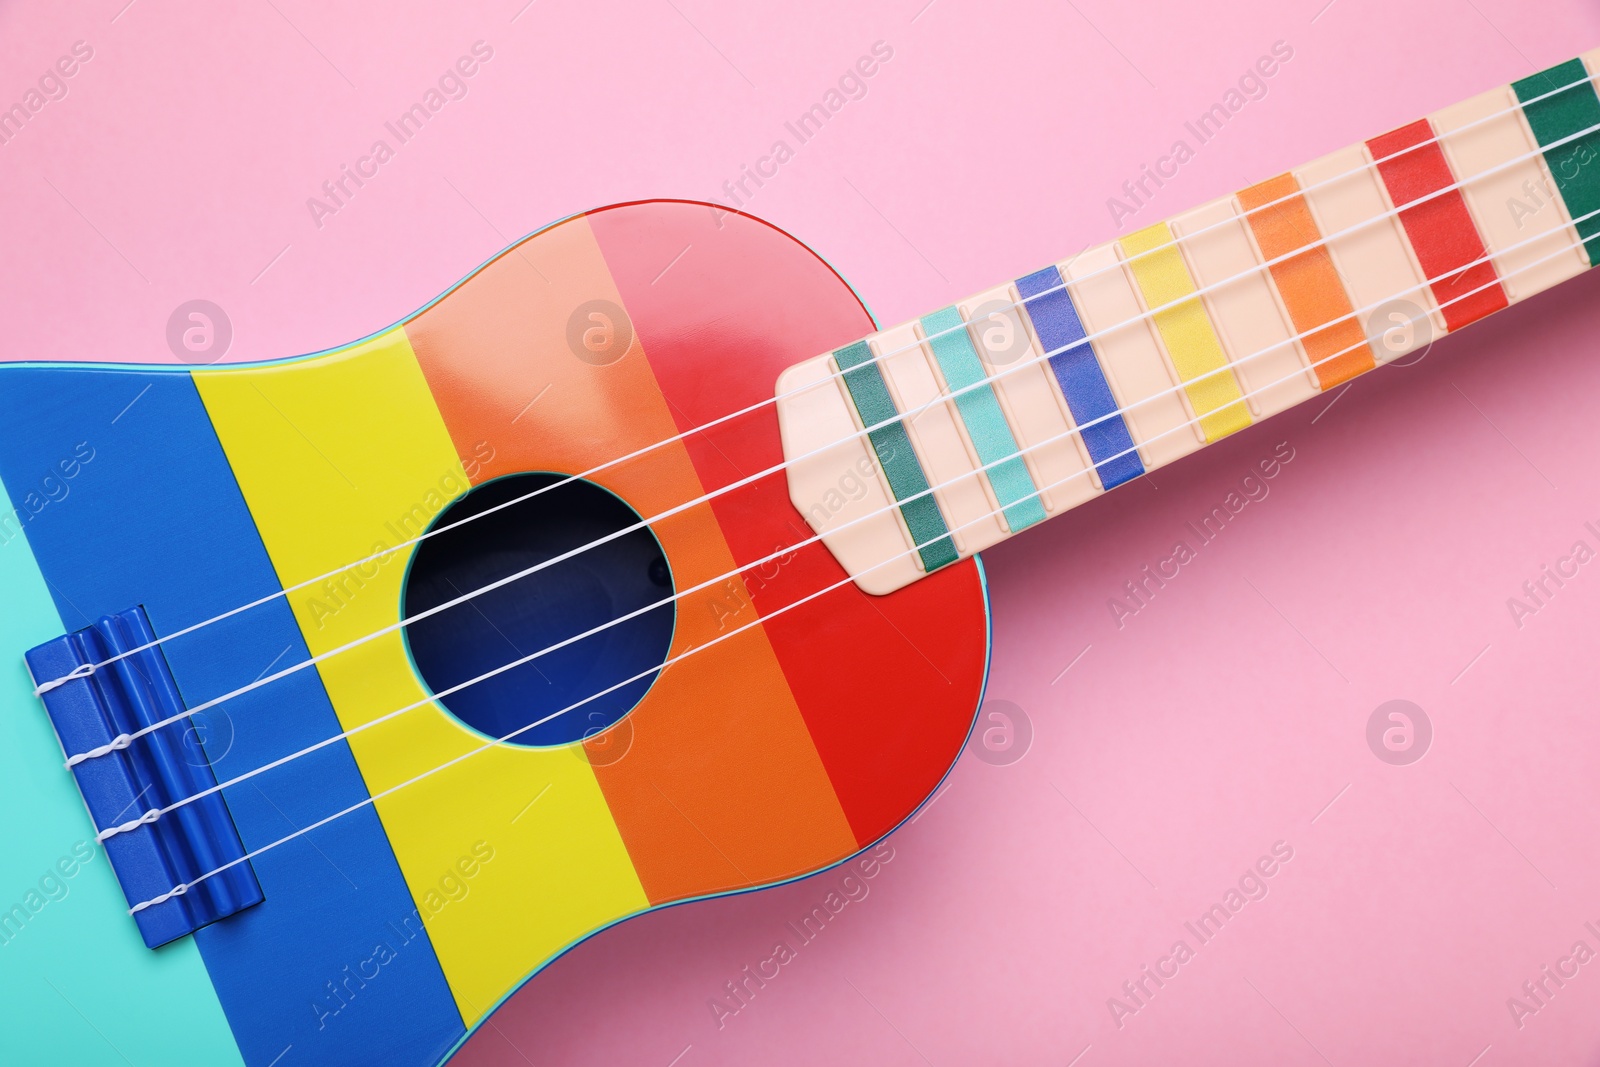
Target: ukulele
{"points": [[386, 675]]}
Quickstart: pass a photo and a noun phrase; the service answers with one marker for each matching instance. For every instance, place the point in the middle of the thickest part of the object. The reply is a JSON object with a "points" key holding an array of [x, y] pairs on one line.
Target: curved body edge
{"points": [[789, 733]]}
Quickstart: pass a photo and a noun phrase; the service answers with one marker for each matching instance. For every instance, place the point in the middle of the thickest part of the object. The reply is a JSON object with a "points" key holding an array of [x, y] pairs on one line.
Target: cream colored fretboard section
{"points": [[928, 442]]}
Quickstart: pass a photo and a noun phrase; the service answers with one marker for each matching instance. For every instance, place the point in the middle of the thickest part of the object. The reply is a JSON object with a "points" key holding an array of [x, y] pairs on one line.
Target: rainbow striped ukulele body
{"points": [[475, 709], [384, 935]]}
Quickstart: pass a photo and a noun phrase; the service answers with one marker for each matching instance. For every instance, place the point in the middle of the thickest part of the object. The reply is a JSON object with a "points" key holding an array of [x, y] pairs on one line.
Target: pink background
{"points": [[1228, 715]]}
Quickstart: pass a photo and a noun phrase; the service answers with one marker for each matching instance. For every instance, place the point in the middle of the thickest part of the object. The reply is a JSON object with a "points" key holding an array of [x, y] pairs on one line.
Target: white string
{"points": [[132, 824], [80, 671], [182, 888], [900, 417], [833, 376], [648, 672]]}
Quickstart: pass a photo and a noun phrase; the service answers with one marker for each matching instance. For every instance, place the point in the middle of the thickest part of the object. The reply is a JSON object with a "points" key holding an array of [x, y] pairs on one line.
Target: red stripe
{"points": [[888, 685], [1441, 230]]}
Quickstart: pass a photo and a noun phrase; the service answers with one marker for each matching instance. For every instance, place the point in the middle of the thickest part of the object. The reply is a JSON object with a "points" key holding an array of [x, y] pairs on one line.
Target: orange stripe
{"points": [[1309, 283], [713, 780]]}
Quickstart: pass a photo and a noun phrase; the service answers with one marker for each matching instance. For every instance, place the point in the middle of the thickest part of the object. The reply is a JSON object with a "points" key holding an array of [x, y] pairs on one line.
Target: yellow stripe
{"points": [[344, 455], [1186, 331]]}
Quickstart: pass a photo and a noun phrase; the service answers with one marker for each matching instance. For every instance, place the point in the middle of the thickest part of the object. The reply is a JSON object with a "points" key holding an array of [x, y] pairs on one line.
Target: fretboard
{"points": [[926, 443]]}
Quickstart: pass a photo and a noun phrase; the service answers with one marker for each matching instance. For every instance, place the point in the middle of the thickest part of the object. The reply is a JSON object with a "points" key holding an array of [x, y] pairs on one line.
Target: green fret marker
{"points": [[1575, 164], [900, 464]]}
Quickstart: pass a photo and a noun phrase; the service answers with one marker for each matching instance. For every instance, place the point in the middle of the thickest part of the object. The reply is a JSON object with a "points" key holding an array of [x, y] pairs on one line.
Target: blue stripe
{"points": [[985, 422], [1078, 372], [156, 518]]}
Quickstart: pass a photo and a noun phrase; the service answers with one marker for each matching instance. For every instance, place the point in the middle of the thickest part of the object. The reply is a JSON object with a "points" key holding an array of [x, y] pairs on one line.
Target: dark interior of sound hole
{"points": [[538, 610]]}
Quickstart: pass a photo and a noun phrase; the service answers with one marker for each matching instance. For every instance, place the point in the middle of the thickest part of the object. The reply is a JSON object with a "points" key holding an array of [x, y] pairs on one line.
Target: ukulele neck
{"points": [[923, 444]]}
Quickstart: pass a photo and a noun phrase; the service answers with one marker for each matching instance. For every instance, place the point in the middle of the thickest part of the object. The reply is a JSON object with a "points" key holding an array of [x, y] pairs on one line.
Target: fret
{"points": [[1307, 282], [1034, 406], [1137, 352], [1441, 229], [901, 466], [1478, 139], [1576, 165], [1185, 331], [1253, 330], [1010, 476], [1053, 314], [961, 490], [1371, 254], [1130, 356]]}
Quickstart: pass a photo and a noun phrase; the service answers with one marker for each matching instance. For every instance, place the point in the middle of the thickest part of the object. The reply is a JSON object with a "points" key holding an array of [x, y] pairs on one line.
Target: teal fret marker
{"points": [[1576, 164], [986, 424], [900, 464]]}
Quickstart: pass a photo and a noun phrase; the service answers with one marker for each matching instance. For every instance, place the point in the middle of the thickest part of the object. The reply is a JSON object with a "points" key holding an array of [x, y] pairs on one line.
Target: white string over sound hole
{"points": [[591, 590], [1554, 90]]}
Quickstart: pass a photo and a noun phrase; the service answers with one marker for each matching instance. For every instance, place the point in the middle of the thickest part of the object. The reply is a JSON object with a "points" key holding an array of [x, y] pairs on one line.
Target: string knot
{"points": [[175, 891], [117, 743], [132, 824], [82, 671]]}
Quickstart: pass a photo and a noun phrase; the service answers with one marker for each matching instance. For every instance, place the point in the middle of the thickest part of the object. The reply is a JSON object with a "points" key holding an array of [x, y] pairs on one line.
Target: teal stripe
{"points": [[900, 464], [76, 972], [985, 422], [1576, 164]]}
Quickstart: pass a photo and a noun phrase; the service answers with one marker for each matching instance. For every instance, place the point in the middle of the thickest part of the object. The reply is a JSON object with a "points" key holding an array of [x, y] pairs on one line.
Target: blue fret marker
{"points": [[1078, 372], [986, 424]]}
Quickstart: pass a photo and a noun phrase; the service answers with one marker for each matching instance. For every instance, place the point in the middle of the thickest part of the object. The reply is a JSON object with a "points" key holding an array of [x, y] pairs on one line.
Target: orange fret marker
{"points": [[1309, 283]]}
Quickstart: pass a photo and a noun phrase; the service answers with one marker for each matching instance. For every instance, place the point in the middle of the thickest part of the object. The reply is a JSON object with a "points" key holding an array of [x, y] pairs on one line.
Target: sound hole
{"points": [[542, 609]]}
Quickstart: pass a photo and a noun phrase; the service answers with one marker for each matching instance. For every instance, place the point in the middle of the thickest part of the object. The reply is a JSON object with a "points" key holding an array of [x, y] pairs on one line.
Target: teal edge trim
{"points": [[983, 690], [945, 333]]}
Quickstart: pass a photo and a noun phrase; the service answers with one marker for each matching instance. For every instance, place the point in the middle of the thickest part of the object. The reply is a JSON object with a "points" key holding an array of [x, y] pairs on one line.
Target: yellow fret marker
{"points": [[1186, 331]]}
